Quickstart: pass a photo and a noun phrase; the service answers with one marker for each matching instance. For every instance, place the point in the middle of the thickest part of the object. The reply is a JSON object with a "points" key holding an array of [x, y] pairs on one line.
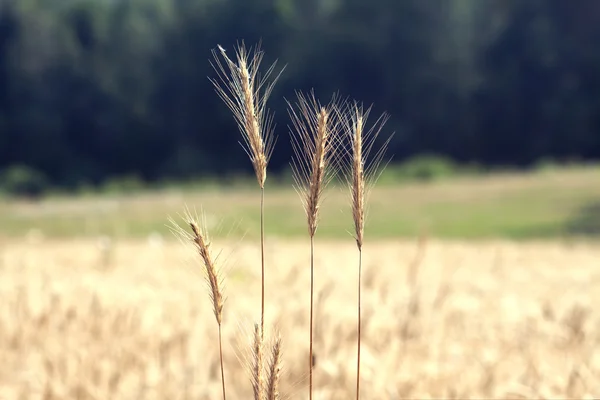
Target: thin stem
{"points": [[359, 323], [310, 365], [262, 260], [221, 357]]}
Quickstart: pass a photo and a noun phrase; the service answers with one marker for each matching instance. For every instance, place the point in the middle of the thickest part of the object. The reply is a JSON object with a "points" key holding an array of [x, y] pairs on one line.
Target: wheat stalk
{"points": [[314, 144], [201, 241], [246, 93], [361, 176]]}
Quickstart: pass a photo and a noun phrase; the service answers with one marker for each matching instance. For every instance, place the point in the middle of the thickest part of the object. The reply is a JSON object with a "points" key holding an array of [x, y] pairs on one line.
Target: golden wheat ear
{"points": [[245, 92], [314, 138], [257, 367], [274, 372], [201, 241], [359, 166]]}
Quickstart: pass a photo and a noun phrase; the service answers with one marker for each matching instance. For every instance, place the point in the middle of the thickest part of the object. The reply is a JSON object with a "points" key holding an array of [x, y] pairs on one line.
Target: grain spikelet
{"points": [[274, 370], [362, 169], [258, 383], [246, 93], [314, 144]]}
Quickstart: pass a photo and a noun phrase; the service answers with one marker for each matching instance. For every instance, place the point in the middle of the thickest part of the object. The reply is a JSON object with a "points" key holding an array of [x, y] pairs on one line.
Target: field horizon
{"points": [[560, 203]]}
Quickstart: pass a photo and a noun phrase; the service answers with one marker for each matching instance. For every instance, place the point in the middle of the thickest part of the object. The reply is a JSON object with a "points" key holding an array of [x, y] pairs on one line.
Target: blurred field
{"points": [[557, 203], [131, 320]]}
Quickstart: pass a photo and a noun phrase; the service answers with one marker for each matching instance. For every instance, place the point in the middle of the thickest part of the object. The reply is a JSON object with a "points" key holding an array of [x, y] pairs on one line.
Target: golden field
{"points": [[87, 319]]}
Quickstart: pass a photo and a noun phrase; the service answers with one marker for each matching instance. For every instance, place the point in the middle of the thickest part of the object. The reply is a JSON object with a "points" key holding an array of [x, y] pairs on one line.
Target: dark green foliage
{"points": [[91, 90], [23, 182], [427, 167]]}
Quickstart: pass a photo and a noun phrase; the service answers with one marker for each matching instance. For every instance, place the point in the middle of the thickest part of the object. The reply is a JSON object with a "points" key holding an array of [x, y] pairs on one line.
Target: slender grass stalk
{"points": [[314, 144], [246, 93], [360, 177], [201, 241]]}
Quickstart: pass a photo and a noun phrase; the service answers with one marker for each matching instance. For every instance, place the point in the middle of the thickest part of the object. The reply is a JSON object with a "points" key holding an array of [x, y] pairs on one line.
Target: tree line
{"points": [[93, 89]]}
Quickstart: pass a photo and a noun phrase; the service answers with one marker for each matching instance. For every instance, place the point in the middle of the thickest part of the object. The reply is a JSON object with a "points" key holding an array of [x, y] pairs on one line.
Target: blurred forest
{"points": [[93, 89]]}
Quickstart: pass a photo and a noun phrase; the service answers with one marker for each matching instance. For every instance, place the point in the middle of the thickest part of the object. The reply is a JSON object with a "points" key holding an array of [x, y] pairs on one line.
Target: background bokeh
{"points": [[92, 90]]}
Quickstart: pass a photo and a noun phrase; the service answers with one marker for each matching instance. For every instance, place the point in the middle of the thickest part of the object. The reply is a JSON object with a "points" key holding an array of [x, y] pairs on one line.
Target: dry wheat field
{"points": [[132, 319]]}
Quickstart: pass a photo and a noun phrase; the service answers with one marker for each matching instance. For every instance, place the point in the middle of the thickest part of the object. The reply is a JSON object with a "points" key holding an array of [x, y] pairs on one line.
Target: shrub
{"points": [[22, 181], [427, 167], [124, 185]]}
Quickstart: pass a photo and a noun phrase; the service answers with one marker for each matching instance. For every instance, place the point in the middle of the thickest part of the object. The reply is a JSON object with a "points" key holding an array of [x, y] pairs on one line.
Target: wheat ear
{"points": [[274, 370], [314, 141], [258, 382], [201, 241], [361, 176], [245, 93]]}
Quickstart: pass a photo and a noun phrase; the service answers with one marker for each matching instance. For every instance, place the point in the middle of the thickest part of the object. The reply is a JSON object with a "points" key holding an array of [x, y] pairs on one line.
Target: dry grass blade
{"points": [[201, 240], [246, 93]]}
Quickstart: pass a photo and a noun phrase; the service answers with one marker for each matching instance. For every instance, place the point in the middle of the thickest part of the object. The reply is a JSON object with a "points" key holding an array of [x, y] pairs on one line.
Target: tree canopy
{"points": [[91, 89]]}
